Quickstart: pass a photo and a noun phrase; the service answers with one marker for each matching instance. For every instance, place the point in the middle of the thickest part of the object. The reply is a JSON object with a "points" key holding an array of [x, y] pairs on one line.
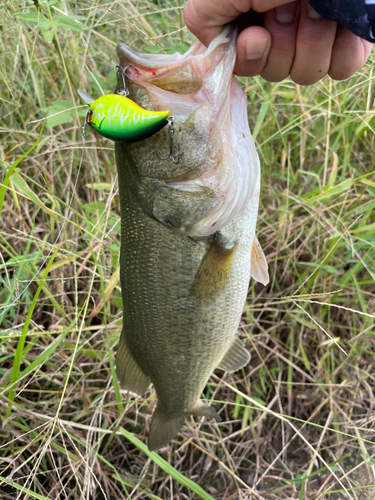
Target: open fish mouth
{"points": [[218, 172]]}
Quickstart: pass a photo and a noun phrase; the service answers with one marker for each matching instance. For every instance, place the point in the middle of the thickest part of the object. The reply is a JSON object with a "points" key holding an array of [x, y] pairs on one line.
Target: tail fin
{"points": [[163, 429]]}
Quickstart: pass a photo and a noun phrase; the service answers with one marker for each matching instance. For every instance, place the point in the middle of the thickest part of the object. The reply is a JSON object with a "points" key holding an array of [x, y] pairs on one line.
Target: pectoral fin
{"points": [[258, 264], [130, 376], [215, 269], [235, 358]]}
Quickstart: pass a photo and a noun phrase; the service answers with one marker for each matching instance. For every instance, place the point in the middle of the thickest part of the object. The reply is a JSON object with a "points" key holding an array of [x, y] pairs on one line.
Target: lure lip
{"points": [[86, 98]]}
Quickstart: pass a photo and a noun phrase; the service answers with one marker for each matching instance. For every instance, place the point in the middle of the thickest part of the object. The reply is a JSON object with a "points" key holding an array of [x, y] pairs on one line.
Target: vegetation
{"points": [[298, 421]]}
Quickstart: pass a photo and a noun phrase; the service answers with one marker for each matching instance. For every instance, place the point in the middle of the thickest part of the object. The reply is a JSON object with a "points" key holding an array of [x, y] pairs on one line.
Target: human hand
{"points": [[294, 41]]}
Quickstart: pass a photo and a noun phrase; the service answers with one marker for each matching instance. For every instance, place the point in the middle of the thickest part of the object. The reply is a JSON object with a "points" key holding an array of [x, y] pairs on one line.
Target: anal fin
{"points": [[258, 264], [130, 376], [215, 269], [235, 358], [203, 410]]}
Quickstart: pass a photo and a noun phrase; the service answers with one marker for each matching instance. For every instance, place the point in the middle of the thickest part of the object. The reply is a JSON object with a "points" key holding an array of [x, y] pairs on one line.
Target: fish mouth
{"points": [[178, 73], [218, 172]]}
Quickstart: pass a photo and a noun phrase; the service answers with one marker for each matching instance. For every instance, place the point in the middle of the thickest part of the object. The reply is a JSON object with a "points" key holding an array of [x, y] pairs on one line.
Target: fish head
{"points": [[218, 169]]}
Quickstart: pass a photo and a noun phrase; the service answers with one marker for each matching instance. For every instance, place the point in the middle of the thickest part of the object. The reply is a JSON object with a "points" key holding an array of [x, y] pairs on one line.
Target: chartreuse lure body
{"points": [[120, 119]]}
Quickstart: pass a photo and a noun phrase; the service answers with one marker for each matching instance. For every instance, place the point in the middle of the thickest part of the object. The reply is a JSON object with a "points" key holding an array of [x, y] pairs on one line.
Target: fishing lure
{"points": [[118, 118]]}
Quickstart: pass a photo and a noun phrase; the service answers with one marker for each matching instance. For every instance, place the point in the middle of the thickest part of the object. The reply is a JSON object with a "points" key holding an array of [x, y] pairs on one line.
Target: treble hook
{"points": [[118, 70], [171, 131], [88, 114]]}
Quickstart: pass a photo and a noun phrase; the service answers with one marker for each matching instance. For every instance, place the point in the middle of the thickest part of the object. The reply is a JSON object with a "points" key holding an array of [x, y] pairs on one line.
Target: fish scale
{"points": [[183, 283]]}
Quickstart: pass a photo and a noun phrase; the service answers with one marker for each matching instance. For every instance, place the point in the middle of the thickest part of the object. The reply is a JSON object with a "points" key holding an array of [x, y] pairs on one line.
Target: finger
{"points": [[282, 24], [315, 39], [206, 18], [253, 45], [349, 54]]}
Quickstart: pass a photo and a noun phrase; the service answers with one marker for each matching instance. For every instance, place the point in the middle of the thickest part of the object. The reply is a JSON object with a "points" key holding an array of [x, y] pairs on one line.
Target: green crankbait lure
{"points": [[118, 118]]}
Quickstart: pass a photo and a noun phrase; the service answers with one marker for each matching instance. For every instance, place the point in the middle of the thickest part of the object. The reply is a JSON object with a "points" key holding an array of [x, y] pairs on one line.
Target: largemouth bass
{"points": [[188, 244]]}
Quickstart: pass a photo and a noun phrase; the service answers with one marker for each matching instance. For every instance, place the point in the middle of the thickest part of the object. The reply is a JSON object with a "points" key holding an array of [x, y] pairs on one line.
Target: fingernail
{"points": [[255, 47], [312, 13], [286, 13]]}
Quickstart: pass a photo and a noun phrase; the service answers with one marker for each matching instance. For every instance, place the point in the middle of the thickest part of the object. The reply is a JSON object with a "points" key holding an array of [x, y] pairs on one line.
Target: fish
{"points": [[118, 118], [188, 242]]}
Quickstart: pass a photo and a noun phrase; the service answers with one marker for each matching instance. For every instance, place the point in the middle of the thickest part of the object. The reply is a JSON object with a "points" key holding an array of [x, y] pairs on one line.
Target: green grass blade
{"points": [[42, 358], [116, 385], [28, 492], [168, 468], [3, 188], [22, 340]]}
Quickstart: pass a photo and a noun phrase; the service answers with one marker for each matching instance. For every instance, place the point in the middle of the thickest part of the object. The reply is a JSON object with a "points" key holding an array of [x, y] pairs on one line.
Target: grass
{"points": [[298, 421]]}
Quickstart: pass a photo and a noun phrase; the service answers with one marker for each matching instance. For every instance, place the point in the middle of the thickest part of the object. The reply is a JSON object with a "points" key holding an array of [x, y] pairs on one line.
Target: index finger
{"points": [[206, 18]]}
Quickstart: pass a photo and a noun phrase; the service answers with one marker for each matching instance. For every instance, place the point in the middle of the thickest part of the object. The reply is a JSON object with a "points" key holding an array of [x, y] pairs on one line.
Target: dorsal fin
{"points": [[129, 374], [258, 264], [85, 97]]}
